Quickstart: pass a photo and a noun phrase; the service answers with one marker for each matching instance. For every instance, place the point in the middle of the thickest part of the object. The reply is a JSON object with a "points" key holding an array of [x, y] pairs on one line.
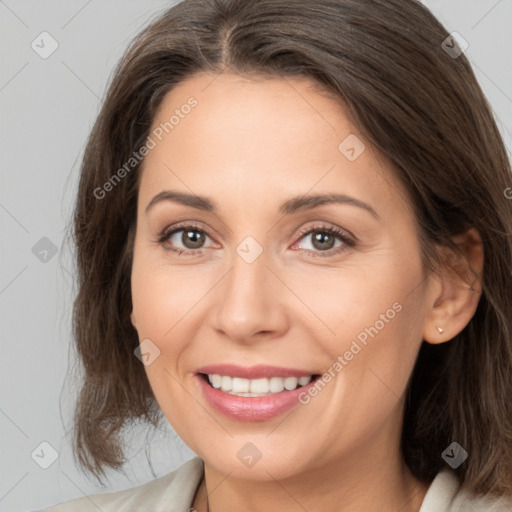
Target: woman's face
{"points": [[272, 286]]}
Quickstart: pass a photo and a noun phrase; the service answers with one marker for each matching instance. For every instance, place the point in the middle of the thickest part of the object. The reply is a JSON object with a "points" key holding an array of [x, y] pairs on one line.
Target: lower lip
{"points": [[251, 408]]}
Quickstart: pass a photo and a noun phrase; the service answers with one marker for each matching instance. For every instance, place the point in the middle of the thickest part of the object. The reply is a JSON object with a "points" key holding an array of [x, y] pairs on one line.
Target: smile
{"points": [[255, 393]]}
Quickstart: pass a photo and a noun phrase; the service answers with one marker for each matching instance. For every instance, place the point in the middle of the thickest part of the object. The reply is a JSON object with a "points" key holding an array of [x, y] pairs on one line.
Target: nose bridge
{"points": [[249, 301]]}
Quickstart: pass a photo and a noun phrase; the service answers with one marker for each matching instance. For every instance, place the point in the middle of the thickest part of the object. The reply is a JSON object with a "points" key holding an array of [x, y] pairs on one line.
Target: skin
{"points": [[250, 145]]}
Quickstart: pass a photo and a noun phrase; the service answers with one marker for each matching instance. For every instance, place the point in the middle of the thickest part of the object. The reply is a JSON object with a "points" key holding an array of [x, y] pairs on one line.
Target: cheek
{"points": [[363, 302], [375, 317], [162, 295]]}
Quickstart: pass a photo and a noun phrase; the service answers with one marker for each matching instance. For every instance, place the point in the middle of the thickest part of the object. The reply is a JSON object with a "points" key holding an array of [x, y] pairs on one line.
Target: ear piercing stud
{"points": [[440, 329]]}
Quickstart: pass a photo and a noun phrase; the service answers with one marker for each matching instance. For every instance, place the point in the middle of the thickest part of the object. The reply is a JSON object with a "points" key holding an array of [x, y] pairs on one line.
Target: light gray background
{"points": [[47, 110]]}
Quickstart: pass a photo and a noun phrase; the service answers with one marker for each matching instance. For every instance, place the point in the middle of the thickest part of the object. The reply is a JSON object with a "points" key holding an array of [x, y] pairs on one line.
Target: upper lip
{"points": [[253, 372]]}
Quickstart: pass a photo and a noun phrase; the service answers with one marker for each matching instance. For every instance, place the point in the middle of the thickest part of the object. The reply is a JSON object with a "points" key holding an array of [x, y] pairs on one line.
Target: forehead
{"points": [[256, 138], [235, 103]]}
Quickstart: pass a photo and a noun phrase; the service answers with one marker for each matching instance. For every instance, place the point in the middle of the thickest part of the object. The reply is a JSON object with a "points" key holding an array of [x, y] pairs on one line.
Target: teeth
{"points": [[304, 380], [215, 380], [239, 385], [256, 387], [276, 384], [259, 386], [290, 383], [225, 383]]}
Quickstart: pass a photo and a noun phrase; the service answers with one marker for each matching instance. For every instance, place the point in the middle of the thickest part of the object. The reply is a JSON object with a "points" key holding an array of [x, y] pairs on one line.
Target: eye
{"points": [[190, 236], [324, 238]]}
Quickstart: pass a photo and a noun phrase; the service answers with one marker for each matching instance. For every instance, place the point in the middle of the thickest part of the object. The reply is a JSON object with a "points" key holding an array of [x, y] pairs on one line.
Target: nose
{"points": [[250, 302]]}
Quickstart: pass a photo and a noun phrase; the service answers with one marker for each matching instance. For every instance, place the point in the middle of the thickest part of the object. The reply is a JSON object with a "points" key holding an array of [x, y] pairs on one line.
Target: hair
{"points": [[419, 106]]}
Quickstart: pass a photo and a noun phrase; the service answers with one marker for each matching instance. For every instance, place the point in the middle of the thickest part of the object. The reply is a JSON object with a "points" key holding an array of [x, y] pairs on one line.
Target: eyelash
{"points": [[164, 235]]}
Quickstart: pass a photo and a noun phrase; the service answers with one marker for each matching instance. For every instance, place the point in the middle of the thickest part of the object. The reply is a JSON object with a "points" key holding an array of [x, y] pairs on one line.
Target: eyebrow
{"points": [[293, 205]]}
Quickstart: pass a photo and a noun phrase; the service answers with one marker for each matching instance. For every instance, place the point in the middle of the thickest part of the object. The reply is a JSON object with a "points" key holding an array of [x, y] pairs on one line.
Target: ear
{"points": [[454, 298], [133, 320]]}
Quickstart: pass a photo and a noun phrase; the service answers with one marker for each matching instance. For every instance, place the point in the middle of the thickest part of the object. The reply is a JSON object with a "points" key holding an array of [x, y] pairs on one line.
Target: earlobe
{"points": [[455, 299]]}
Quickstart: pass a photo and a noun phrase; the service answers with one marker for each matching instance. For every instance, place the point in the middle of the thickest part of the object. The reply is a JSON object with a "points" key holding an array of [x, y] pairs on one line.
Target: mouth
{"points": [[253, 394]]}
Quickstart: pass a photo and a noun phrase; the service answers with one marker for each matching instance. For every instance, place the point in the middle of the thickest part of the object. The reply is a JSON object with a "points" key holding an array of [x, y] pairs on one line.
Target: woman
{"points": [[293, 240]]}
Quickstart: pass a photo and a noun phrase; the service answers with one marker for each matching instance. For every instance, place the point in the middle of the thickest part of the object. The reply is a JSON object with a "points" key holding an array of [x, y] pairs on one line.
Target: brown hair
{"points": [[423, 109]]}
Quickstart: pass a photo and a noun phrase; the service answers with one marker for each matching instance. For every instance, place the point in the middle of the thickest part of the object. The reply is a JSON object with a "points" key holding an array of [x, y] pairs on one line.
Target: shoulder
{"points": [[466, 501], [175, 489], [446, 494]]}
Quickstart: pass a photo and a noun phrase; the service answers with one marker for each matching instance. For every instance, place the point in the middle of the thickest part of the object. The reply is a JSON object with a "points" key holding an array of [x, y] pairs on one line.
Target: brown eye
{"points": [[184, 239], [192, 239], [323, 241]]}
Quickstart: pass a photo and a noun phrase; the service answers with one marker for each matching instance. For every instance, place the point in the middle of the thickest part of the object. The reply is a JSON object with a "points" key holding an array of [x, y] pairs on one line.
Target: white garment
{"points": [[175, 491]]}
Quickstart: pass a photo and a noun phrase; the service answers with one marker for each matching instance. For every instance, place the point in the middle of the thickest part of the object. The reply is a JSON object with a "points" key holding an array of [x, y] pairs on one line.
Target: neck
{"points": [[357, 483]]}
